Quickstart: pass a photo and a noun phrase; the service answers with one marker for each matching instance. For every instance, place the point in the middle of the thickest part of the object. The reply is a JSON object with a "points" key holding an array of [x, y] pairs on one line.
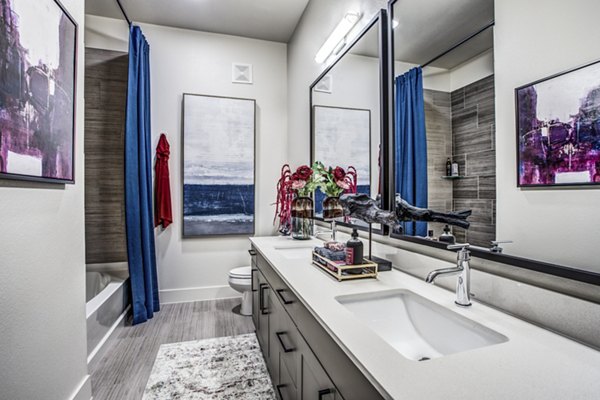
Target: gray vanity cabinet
{"points": [[262, 313], [255, 293], [290, 337]]}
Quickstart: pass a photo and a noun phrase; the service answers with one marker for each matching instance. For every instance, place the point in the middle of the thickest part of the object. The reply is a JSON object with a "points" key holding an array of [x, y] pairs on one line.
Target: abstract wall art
{"points": [[218, 165], [37, 91], [558, 129]]}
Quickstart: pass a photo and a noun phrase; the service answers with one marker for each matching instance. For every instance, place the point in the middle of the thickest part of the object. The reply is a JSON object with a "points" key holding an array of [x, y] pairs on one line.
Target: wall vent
{"points": [[325, 84], [241, 73]]}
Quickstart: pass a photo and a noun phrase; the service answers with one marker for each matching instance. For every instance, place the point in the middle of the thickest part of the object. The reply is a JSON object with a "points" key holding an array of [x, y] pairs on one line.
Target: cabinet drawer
{"points": [[288, 342], [316, 385], [286, 390]]}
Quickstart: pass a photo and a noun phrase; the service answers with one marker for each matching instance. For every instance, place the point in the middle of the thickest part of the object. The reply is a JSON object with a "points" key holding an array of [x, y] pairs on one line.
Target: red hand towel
{"points": [[163, 214]]}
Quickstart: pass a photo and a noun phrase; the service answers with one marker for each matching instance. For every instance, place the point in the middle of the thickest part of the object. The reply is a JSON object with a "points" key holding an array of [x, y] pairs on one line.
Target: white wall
{"points": [[534, 39], [458, 77], [472, 70], [317, 23], [196, 62], [42, 278]]}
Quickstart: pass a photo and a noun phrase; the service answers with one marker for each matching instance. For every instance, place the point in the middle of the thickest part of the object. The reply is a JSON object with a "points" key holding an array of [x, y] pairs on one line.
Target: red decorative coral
{"points": [[285, 196]]}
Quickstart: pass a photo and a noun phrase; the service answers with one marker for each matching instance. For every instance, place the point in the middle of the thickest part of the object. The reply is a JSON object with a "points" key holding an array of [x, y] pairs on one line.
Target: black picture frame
{"points": [[185, 233], [380, 18], [28, 97], [521, 94]]}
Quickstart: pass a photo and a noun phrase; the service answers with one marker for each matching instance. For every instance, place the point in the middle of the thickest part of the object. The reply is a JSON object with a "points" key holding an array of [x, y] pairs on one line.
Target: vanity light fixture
{"points": [[336, 41]]}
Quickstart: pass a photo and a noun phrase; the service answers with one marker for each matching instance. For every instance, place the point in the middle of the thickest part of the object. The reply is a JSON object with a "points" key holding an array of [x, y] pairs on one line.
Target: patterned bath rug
{"points": [[227, 368]]}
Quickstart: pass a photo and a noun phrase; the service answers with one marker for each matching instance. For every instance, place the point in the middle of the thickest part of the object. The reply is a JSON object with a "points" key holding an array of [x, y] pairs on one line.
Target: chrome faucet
{"points": [[496, 245], [462, 269], [323, 232]]}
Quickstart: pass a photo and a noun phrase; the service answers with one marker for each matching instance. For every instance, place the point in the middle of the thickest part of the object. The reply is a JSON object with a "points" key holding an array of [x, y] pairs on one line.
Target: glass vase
{"points": [[332, 208], [302, 214]]}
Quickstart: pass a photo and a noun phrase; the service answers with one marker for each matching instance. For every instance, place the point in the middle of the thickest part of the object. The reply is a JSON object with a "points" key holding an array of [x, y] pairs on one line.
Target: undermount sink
{"points": [[417, 328], [294, 252]]}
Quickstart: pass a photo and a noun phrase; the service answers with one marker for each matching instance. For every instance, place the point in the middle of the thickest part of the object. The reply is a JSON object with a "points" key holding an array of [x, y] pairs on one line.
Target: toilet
{"points": [[240, 279]]}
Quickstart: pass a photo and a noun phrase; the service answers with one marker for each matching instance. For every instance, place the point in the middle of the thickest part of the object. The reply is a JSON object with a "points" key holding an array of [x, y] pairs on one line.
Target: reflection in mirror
{"points": [[345, 109], [444, 114]]}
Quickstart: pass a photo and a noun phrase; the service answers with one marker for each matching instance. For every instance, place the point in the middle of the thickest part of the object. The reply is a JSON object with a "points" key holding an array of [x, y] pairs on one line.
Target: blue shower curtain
{"points": [[138, 182], [411, 145]]}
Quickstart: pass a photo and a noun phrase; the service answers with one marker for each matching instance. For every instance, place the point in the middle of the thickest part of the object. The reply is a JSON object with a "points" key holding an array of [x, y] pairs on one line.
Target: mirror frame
{"points": [[384, 75], [562, 271]]}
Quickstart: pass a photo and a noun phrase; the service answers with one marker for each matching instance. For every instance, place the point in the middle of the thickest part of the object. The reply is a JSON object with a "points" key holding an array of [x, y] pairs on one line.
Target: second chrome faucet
{"points": [[462, 269]]}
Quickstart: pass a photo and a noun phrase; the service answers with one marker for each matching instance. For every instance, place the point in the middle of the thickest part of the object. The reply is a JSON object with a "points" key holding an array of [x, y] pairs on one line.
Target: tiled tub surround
{"points": [[473, 134], [438, 124], [533, 364], [106, 95], [460, 126]]}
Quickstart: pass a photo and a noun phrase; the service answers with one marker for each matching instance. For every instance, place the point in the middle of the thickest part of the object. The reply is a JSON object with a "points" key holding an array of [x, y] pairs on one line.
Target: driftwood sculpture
{"points": [[362, 207]]}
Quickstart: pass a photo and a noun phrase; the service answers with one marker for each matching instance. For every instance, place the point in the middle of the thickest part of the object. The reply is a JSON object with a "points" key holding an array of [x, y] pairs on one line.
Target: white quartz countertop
{"points": [[533, 364]]}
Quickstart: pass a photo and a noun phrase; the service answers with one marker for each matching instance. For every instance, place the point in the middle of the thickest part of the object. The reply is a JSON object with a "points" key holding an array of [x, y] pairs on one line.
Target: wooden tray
{"points": [[341, 272]]}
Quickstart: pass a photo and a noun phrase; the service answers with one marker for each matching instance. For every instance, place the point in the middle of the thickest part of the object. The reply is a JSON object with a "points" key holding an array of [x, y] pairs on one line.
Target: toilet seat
{"points": [[241, 273]]}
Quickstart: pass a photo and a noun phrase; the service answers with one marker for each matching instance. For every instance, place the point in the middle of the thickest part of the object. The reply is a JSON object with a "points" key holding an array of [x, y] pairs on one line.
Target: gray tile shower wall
{"points": [[438, 123], [473, 131], [106, 95]]}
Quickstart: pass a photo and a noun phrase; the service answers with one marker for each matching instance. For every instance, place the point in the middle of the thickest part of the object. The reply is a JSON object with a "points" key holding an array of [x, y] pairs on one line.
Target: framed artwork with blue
{"points": [[218, 165]]}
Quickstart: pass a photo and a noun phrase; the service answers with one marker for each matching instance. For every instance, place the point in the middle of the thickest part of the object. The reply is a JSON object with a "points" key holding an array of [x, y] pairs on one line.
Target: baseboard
{"points": [[84, 391], [112, 333], [186, 295]]}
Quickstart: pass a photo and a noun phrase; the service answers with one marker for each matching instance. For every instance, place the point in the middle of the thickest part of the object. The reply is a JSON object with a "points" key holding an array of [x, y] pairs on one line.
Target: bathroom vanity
{"points": [[397, 337]]}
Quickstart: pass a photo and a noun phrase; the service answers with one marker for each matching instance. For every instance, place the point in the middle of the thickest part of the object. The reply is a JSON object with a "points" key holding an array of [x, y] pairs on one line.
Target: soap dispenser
{"points": [[447, 236], [354, 250]]}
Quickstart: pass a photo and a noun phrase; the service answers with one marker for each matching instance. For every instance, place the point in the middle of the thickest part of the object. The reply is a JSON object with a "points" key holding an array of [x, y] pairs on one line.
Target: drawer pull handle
{"points": [[252, 271], [252, 252], [325, 392], [279, 387], [263, 286], [285, 349], [280, 293]]}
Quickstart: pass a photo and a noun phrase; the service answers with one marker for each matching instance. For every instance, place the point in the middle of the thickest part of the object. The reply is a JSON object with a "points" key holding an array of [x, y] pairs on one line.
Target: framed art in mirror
{"points": [[218, 160], [38, 60], [558, 129], [349, 120], [347, 131]]}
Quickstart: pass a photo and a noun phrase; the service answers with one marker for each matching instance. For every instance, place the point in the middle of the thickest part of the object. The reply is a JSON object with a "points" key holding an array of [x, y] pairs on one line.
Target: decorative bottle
{"points": [[354, 250]]}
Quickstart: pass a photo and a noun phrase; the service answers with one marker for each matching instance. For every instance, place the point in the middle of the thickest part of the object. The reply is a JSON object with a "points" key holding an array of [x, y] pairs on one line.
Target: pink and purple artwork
{"points": [[558, 129], [37, 91]]}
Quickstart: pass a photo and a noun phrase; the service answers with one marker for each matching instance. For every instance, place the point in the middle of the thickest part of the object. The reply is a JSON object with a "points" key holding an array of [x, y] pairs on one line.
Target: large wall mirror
{"points": [[454, 60], [349, 114]]}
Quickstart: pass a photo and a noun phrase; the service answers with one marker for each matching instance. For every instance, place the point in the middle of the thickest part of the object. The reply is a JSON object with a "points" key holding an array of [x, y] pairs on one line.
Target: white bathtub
{"points": [[108, 294]]}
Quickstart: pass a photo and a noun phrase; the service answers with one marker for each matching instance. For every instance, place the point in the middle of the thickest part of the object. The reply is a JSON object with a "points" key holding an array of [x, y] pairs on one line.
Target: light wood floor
{"points": [[122, 372]]}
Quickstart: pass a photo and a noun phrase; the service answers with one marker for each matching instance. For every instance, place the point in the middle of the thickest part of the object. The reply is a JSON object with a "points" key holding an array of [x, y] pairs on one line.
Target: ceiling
{"points": [[273, 20], [427, 28]]}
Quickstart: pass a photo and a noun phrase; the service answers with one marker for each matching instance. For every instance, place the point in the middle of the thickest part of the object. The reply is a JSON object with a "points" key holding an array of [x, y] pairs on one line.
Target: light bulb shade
{"points": [[338, 34]]}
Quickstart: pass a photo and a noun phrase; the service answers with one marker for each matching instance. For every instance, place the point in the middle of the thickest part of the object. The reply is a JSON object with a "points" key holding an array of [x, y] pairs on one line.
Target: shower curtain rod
{"points": [[457, 44], [123, 11]]}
